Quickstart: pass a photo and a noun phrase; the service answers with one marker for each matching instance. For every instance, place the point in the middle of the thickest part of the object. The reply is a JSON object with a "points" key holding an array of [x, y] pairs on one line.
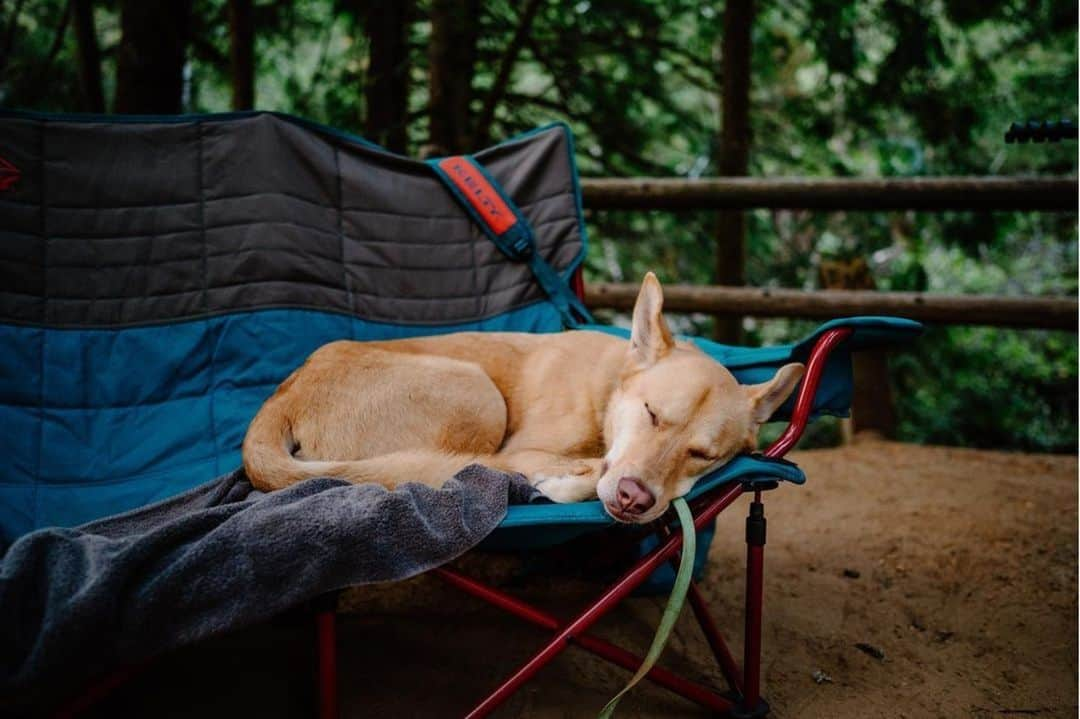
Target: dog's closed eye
{"points": [[652, 416], [702, 455]]}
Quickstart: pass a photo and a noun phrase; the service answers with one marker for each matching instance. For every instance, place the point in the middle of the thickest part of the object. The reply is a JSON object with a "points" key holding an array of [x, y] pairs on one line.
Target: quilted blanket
{"points": [[163, 275]]}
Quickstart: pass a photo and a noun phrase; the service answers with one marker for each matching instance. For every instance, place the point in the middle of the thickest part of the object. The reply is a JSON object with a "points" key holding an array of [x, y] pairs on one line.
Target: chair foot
{"points": [[741, 712], [326, 637]]}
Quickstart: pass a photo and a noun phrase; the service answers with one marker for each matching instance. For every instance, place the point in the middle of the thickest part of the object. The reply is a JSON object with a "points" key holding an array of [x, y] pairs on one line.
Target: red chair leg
{"points": [[326, 633], [716, 642], [752, 704], [615, 594], [617, 655], [98, 691], [712, 634]]}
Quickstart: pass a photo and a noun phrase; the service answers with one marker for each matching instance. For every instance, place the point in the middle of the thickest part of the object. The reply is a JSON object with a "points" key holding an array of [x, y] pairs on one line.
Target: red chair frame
{"points": [[744, 696]]}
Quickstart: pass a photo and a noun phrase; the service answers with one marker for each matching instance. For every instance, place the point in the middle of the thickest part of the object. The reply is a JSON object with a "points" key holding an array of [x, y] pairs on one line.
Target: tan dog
{"points": [[581, 414]]}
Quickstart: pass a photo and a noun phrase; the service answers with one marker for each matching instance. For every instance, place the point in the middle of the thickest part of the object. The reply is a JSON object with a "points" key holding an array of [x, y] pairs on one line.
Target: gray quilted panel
{"points": [[128, 223]]}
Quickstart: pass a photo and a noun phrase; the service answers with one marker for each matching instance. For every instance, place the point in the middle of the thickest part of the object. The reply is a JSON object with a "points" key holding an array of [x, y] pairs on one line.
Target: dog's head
{"points": [[676, 414]]}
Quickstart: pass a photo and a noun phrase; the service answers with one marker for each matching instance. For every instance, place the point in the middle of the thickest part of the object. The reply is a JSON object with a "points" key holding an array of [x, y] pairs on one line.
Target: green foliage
{"points": [[988, 387], [39, 69], [839, 88]]}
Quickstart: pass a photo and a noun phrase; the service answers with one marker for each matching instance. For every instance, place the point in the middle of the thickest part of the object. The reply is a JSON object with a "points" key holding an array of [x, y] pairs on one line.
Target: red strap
{"points": [[472, 184]]}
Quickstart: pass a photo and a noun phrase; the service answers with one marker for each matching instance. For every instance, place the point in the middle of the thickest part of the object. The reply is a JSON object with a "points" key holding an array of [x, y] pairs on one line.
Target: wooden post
{"points": [[734, 154], [872, 407]]}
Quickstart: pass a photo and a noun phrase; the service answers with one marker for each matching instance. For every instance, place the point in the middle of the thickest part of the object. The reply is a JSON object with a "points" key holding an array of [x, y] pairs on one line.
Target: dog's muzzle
{"points": [[633, 498]]}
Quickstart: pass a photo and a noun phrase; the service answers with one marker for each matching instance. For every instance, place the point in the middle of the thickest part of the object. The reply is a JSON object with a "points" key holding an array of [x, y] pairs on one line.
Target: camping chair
{"points": [[164, 274]]}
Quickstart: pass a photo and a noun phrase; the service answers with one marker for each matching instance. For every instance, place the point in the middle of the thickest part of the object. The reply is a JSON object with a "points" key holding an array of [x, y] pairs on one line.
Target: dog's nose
{"points": [[633, 496]]}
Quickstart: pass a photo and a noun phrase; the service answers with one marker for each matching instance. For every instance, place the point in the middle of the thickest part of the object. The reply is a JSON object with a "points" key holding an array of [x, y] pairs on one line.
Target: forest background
{"points": [[679, 88]]}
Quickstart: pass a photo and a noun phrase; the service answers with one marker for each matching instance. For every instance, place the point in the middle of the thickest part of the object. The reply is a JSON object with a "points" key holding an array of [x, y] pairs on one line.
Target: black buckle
{"points": [[519, 242]]}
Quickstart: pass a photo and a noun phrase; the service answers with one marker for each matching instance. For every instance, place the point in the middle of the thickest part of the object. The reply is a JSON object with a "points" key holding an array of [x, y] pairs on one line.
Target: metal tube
{"points": [[709, 629], [326, 636], [716, 641], [755, 554], [752, 652], [804, 403], [615, 594], [617, 655], [706, 509], [752, 649], [98, 691]]}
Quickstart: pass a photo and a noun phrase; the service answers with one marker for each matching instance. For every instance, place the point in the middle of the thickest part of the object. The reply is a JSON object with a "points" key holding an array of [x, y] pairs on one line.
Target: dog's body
{"points": [[580, 414]]}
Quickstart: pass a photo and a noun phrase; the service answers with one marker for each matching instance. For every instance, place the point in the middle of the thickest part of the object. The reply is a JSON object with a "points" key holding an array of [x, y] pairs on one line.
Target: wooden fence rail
{"points": [[1041, 312], [816, 193]]}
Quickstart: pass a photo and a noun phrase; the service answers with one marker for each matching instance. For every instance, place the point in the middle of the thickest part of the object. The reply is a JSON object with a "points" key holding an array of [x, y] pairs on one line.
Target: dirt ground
{"points": [[960, 566]]}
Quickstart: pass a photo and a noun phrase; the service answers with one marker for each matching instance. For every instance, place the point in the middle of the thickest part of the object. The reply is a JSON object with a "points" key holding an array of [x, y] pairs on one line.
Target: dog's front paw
{"points": [[566, 488]]}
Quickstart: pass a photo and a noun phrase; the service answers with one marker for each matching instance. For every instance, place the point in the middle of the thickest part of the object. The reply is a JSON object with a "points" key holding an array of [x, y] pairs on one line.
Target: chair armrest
{"points": [[804, 402]]}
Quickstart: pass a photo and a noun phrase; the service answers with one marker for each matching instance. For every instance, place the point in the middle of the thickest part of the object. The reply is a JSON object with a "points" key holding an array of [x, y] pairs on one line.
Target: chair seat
{"points": [[544, 524]]}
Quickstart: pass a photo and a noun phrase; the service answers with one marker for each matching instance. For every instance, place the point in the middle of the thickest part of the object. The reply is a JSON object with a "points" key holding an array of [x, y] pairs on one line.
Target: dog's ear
{"points": [[650, 337], [766, 398]]}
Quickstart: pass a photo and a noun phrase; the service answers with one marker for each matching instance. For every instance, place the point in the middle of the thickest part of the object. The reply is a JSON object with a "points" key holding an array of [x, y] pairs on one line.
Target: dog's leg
{"points": [[566, 488], [561, 479]]}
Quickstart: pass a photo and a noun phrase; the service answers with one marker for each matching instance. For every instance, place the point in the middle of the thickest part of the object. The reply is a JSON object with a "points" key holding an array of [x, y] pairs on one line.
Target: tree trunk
{"points": [[93, 94], [242, 54], [150, 59], [386, 92], [7, 47], [506, 66], [452, 54], [45, 69], [734, 153]]}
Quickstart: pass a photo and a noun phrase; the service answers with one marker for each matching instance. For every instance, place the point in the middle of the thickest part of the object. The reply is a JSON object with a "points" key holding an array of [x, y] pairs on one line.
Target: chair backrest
{"points": [[163, 275]]}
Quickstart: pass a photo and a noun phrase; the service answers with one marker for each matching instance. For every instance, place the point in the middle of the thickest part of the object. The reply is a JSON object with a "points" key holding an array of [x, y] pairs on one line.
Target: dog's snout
{"points": [[633, 496]]}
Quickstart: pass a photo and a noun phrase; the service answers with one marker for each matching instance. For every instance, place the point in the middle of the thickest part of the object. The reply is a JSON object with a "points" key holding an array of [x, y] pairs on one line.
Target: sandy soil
{"points": [[960, 566]]}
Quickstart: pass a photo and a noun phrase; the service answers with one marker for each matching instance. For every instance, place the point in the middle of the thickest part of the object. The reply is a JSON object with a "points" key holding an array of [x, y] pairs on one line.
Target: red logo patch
{"points": [[480, 194], [9, 174]]}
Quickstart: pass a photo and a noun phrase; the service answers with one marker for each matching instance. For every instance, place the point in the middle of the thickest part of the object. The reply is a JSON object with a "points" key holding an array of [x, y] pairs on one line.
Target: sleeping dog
{"points": [[581, 414]]}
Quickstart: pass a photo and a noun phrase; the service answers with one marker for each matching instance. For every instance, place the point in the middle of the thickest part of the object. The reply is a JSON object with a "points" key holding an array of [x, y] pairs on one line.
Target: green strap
{"points": [[674, 605]]}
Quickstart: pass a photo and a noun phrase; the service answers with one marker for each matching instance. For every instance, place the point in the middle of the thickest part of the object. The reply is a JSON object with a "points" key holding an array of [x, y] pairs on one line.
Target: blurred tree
{"points": [[150, 59], [733, 158], [496, 95], [386, 92], [89, 58], [10, 29], [45, 70], [836, 88], [242, 54], [452, 54]]}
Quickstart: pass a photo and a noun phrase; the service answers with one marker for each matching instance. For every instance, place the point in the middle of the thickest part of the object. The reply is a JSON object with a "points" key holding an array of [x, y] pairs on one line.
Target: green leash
{"points": [[674, 605]]}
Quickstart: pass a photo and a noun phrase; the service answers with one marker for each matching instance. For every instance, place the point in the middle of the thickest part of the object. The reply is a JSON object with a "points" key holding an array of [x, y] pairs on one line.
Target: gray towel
{"points": [[76, 602]]}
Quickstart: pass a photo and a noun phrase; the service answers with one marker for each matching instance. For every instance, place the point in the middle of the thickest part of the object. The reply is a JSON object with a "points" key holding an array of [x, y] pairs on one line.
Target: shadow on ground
{"points": [[959, 566]]}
